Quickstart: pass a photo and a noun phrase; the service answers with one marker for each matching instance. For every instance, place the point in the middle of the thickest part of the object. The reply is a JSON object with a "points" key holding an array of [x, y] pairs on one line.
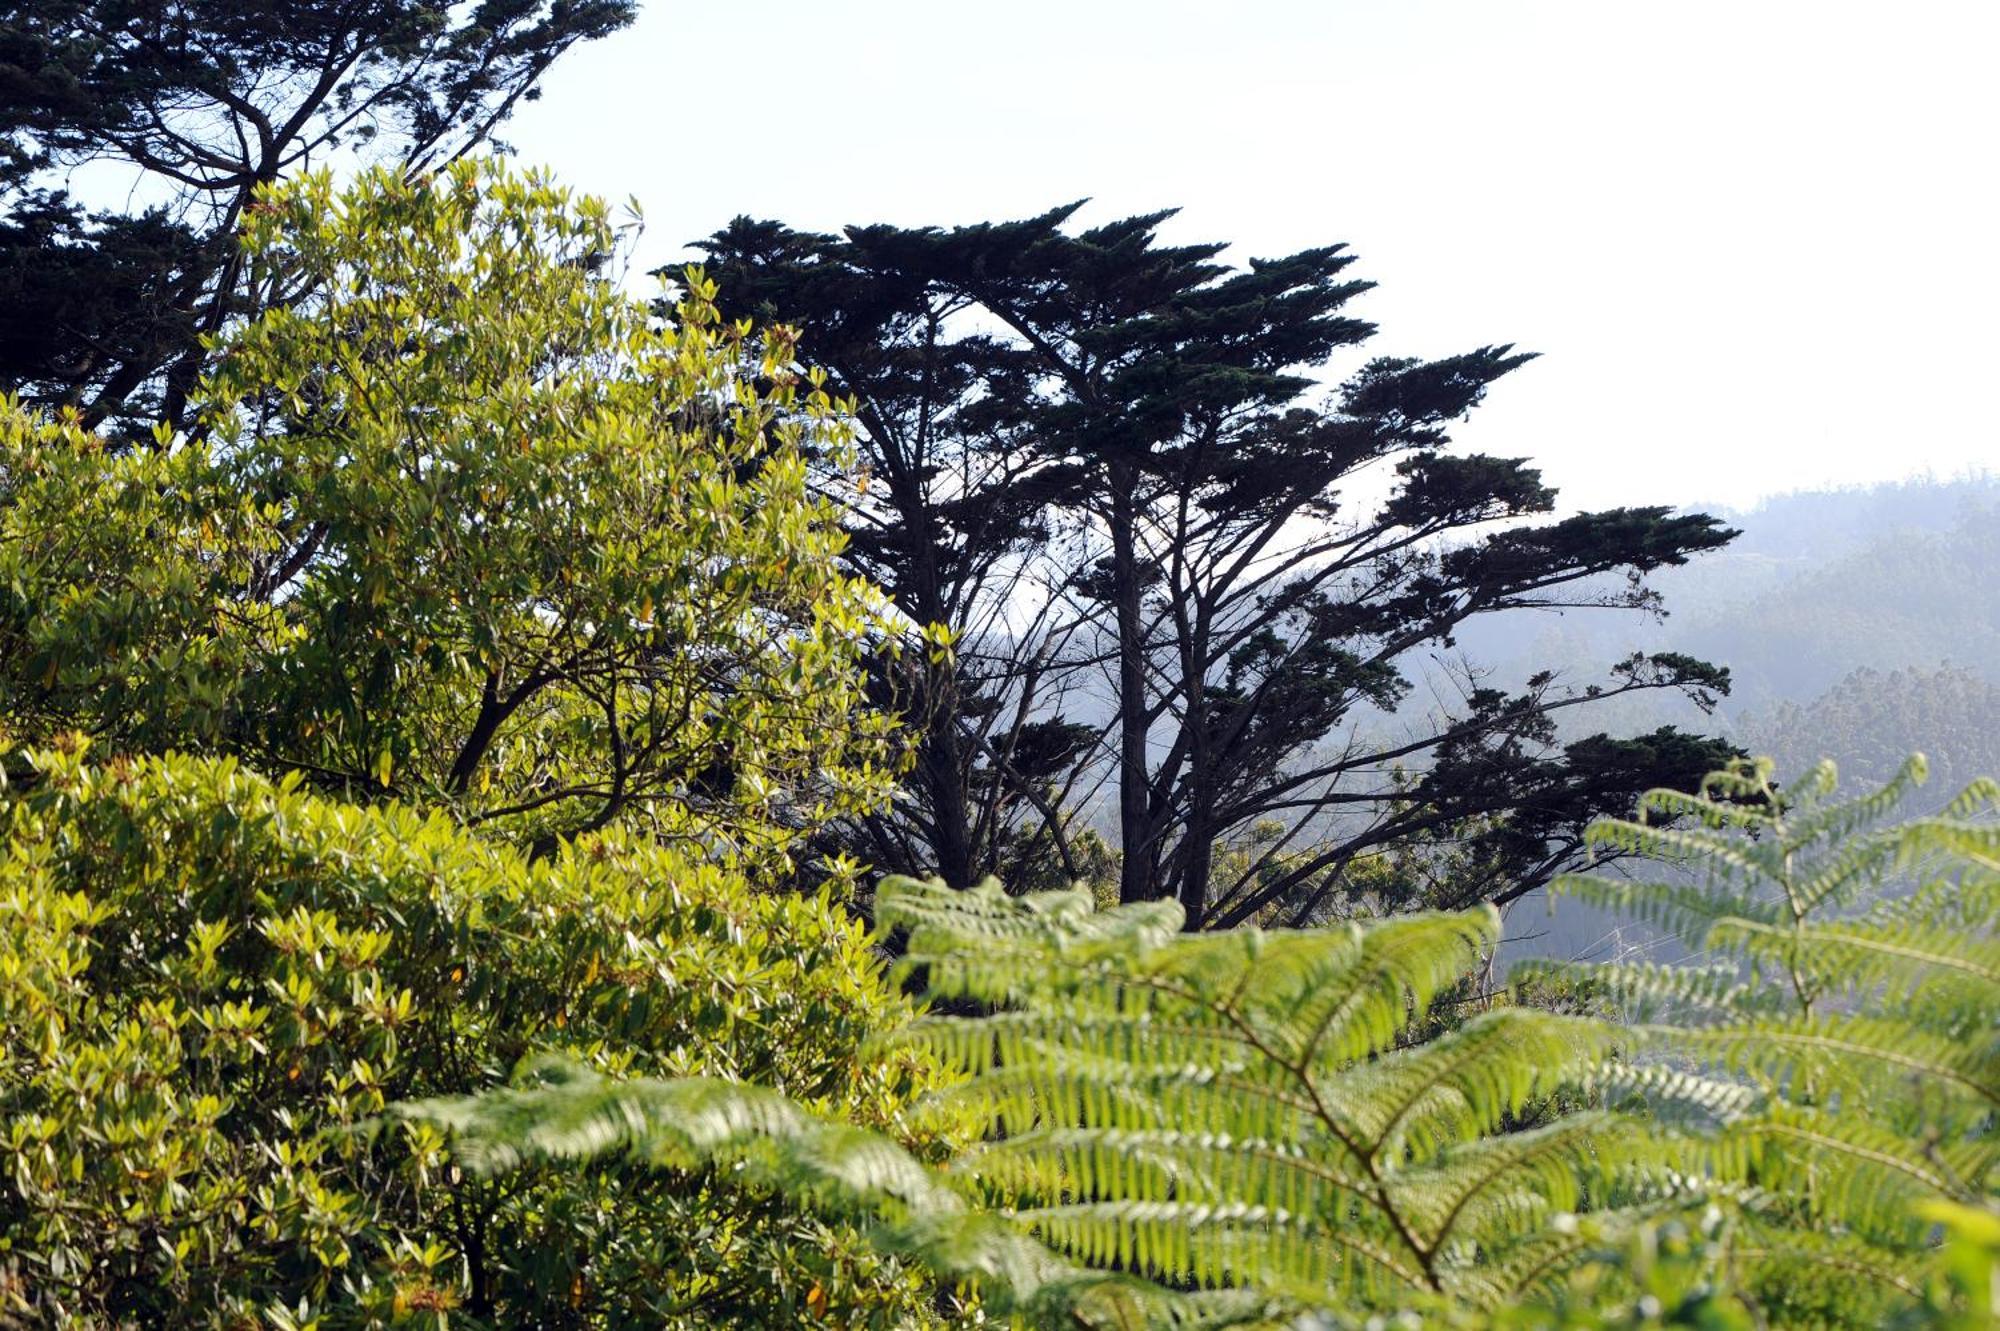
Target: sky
{"points": [[1754, 242]]}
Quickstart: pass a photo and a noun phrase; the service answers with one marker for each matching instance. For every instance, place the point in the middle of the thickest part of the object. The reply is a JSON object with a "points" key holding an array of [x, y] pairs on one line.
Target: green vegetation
{"points": [[468, 527], [1241, 1119], [1840, 1042], [212, 984], [1217, 1111], [191, 110], [469, 535], [456, 715]]}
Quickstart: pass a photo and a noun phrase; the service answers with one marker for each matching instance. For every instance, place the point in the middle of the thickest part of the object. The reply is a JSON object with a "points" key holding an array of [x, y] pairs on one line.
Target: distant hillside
{"points": [[1871, 720], [1815, 526], [1859, 625], [1906, 597], [1818, 586]]}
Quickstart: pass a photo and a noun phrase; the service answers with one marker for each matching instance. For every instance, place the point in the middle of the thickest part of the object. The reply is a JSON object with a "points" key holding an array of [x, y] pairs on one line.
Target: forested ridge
{"points": [[1857, 624], [908, 777]]}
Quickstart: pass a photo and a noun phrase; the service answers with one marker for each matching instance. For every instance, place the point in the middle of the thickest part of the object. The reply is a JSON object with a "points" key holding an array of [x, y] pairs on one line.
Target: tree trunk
{"points": [[1197, 836], [941, 760], [1135, 833]]}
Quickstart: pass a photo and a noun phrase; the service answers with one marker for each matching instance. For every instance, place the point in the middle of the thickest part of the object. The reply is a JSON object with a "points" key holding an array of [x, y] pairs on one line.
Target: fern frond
{"points": [[1817, 818], [1081, 1035], [1782, 1253], [1981, 796], [1683, 909], [1865, 954], [1162, 1165], [985, 911], [1208, 1245], [1848, 1167], [1400, 966], [1858, 865], [567, 1112], [1416, 1101], [1728, 860], [1673, 1096], [1537, 1171], [1976, 843], [1241, 1103], [1847, 1066], [1644, 990], [1826, 1053]]}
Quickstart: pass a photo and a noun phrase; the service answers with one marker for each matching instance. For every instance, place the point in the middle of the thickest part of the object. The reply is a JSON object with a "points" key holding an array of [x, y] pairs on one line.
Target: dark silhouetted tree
{"points": [[184, 109], [1246, 565]]}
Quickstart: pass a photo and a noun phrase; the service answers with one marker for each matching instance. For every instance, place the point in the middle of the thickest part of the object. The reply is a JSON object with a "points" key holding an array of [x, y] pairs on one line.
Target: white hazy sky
{"points": [[1755, 241]]}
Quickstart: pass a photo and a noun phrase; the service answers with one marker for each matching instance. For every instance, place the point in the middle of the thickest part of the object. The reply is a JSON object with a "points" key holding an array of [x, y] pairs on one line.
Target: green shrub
{"points": [[211, 985], [115, 577], [466, 526]]}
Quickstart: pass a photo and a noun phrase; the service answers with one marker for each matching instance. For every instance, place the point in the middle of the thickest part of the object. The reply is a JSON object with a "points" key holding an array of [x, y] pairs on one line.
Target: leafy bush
{"points": [[211, 984], [116, 572], [466, 525]]}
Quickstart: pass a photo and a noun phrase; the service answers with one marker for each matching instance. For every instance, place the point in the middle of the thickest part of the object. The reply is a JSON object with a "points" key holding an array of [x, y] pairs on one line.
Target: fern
{"points": [[1241, 1129], [1238, 1118], [1235, 1109], [1841, 1038], [565, 1112]]}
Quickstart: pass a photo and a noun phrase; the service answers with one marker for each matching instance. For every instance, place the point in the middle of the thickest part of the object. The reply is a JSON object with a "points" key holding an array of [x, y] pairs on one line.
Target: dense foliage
{"points": [[1871, 720], [182, 113], [439, 691], [470, 527], [471, 536], [1251, 1114], [211, 983]]}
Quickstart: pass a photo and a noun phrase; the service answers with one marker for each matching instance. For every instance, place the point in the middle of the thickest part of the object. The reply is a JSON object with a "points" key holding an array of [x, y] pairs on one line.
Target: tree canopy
{"points": [[1108, 465], [468, 527], [188, 109]]}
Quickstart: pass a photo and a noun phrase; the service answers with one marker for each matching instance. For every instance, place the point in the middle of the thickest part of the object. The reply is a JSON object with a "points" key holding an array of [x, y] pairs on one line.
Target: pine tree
{"points": [[1108, 467]]}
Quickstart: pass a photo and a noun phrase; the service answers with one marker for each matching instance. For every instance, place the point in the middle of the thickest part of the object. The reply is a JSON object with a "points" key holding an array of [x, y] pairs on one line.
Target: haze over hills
{"points": [[1821, 584], [1858, 625]]}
